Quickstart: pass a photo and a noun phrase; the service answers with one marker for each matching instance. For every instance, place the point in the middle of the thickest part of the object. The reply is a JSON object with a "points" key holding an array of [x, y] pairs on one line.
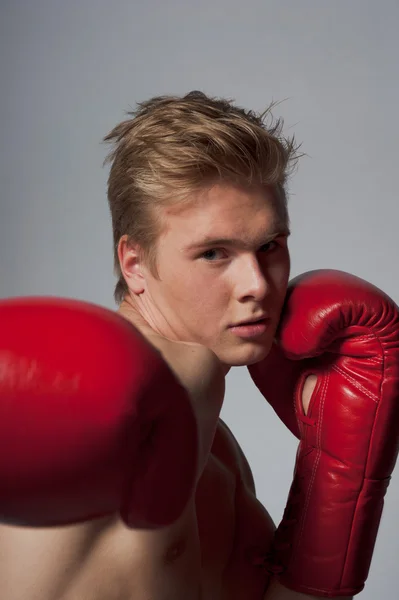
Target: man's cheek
{"points": [[280, 283]]}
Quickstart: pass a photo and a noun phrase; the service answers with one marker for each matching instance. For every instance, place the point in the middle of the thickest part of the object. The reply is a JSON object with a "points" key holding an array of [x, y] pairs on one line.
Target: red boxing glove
{"points": [[346, 332], [92, 420]]}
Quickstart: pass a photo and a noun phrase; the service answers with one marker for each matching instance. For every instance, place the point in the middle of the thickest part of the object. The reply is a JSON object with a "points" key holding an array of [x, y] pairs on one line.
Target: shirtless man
{"points": [[197, 198]]}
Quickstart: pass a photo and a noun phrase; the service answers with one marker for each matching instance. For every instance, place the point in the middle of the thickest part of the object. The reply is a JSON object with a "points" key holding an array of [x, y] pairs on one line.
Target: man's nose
{"points": [[251, 280]]}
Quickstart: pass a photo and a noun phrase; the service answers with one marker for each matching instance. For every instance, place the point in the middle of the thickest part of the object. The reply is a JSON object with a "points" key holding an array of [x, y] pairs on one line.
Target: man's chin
{"points": [[245, 356]]}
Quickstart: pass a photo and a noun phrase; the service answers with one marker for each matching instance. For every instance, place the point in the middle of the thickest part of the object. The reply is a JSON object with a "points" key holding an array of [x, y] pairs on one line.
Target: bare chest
{"points": [[234, 529]]}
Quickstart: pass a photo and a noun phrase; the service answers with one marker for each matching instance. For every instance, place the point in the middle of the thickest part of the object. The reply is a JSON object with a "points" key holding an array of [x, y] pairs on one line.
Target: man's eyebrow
{"points": [[210, 241]]}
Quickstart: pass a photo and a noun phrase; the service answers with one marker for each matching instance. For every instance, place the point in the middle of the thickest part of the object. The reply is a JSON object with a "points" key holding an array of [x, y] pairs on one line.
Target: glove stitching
{"points": [[376, 360], [382, 363], [362, 389]]}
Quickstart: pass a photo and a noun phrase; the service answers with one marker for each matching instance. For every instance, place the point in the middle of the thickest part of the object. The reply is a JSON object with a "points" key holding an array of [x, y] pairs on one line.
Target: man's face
{"points": [[207, 286]]}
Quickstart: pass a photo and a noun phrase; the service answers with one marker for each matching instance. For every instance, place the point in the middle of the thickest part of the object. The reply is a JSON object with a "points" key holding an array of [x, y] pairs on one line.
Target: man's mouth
{"points": [[251, 322]]}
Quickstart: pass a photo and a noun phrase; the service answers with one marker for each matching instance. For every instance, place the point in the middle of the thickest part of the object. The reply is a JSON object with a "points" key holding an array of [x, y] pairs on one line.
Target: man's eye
{"points": [[209, 255], [269, 246]]}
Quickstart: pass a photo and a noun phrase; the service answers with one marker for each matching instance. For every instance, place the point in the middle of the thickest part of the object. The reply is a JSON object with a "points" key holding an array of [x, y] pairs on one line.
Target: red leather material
{"points": [[92, 420], [346, 331]]}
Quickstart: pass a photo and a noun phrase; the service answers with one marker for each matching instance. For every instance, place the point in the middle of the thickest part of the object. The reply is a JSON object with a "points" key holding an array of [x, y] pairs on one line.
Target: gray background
{"points": [[69, 70]]}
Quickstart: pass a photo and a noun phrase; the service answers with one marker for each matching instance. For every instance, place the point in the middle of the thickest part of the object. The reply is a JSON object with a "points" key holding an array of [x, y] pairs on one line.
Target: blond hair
{"points": [[172, 147]]}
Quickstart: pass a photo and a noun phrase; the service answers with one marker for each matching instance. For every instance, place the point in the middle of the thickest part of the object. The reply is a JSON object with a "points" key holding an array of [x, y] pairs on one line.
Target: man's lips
{"points": [[252, 321], [253, 329]]}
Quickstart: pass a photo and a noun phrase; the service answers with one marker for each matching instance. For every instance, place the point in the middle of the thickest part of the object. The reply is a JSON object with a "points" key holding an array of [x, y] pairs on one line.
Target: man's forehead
{"points": [[252, 233], [226, 218]]}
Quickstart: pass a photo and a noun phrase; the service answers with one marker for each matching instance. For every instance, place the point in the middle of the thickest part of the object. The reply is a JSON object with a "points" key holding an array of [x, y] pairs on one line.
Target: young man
{"points": [[198, 204]]}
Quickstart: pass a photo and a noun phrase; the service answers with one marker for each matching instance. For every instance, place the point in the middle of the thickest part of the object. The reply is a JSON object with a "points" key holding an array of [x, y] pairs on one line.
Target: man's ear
{"points": [[129, 261]]}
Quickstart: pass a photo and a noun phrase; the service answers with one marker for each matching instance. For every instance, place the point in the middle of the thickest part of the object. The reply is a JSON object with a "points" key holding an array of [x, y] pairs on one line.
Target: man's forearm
{"points": [[276, 591]]}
